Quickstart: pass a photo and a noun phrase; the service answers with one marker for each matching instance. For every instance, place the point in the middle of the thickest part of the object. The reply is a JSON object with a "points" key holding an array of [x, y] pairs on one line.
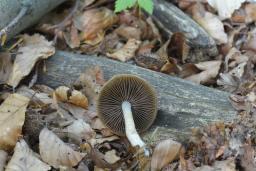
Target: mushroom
{"points": [[127, 104]]}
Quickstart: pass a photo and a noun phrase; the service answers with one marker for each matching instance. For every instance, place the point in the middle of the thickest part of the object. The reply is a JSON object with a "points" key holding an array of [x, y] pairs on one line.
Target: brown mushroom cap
{"points": [[131, 88]]}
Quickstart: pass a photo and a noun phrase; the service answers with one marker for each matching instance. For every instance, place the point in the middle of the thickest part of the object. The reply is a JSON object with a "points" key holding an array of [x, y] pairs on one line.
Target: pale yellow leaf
{"points": [[111, 157], [127, 51], [165, 152], [12, 117]]}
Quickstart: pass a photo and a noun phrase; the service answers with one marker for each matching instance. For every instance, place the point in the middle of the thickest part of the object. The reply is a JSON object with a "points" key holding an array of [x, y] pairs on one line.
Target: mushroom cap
{"points": [[131, 88]]}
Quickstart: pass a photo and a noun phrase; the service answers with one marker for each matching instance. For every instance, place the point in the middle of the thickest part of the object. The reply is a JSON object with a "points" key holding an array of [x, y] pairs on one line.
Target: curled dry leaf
{"points": [[209, 71], [93, 21], [55, 152], [80, 130], [3, 159], [165, 152], [225, 8], [12, 117], [34, 48], [127, 51], [24, 159], [75, 97], [210, 22], [5, 66]]}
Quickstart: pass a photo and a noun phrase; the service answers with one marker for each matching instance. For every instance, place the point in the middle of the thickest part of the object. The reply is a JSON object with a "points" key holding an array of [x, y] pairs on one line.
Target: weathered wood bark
{"points": [[9, 9], [182, 104], [171, 19]]}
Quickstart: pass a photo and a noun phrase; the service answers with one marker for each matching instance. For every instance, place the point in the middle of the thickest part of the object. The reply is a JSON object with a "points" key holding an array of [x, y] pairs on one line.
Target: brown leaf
{"points": [[150, 61], [129, 32], [34, 48], [75, 97], [93, 21], [210, 22], [209, 71], [165, 152], [170, 67], [127, 51], [12, 117], [178, 48], [6, 66]]}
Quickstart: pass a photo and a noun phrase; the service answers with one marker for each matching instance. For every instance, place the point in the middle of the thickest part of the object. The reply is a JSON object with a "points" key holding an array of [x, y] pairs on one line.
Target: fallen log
{"points": [[20, 14], [182, 104], [171, 19]]}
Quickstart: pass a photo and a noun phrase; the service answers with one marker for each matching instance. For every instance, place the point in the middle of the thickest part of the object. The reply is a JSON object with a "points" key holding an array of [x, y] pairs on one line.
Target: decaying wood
{"points": [[10, 9], [182, 104], [171, 19]]}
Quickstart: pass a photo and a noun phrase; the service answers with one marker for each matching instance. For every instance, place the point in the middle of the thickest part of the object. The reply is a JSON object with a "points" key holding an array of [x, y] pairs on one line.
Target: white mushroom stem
{"points": [[130, 129]]}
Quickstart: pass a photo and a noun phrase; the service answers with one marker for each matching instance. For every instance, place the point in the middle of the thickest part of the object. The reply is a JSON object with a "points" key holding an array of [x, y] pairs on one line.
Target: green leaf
{"points": [[121, 5], [147, 5]]}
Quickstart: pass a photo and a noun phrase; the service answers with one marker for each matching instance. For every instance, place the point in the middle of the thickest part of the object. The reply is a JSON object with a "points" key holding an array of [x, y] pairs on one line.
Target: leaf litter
{"points": [[61, 126]]}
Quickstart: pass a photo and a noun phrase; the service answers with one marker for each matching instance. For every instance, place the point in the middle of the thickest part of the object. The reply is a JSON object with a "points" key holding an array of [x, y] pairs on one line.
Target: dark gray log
{"points": [[9, 9], [171, 19], [182, 104]]}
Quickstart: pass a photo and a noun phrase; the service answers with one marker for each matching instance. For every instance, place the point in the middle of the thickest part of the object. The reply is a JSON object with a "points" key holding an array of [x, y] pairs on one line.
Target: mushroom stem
{"points": [[130, 129]]}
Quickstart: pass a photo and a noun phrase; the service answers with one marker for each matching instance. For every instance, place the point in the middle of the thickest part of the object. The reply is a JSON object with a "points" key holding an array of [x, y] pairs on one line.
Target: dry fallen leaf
{"points": [[34, 48], [209, 71], [165, 152], [12, 117], [210, 22], [127, 51], [94, 21], [75, 97], [225, 8], [225, 165], [111, 157], [80, 131], [129, 32], [55, 152], [24, 159], [3, 159], [5, 67]]}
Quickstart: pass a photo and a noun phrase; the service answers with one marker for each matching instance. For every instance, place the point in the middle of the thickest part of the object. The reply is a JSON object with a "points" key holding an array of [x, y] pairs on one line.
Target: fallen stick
{"points": [[171, 19], [182, 104], [16, 15]]}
